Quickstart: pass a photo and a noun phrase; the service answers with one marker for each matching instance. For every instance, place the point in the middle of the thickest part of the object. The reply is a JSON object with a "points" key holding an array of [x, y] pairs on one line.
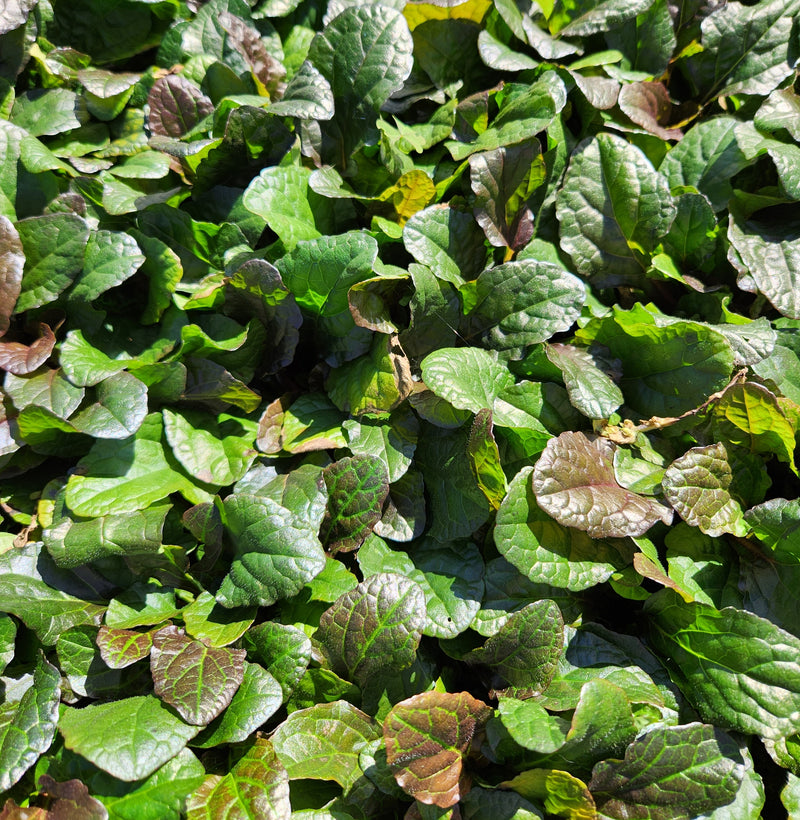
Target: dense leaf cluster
{"points": [[399, 409]]}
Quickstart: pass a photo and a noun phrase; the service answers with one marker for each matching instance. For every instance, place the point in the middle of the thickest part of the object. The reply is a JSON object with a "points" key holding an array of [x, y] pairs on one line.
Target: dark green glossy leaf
{"points": [[283, 650], [591, 390], [668, 769], [738, 670]]}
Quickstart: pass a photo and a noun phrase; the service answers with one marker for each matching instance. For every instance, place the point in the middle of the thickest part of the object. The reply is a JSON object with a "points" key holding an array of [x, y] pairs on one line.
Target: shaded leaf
{"points": [[574, 482], [427, 738], [738, 670], [357, 490], [526, 650]]}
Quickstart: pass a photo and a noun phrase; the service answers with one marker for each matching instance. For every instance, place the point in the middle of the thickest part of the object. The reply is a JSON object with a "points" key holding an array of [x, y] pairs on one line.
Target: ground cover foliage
{"points": [[399, 409]]}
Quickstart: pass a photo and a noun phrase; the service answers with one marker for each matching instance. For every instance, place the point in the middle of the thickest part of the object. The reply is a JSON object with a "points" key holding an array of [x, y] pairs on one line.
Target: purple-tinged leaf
{"points": [[648, 104], [574, 482], [197, 680], [427, 738], [256, 787], [71, 799], [266, 70], [378, 625], [122, 647], [22, 359], [12, 262], [526, 650], [698, 486], [357, 490], [176, 106]]}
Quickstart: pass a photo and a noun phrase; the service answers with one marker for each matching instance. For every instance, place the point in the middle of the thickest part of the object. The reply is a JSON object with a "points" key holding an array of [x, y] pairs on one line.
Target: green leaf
{"points": [[766, 258], [692, 238], [776, 523], [213, 451], [527, 113], [526, 650], [574, 481], [197, 680], [255, 701], [479, 803], [667, 770], [141, 605], [28, 725], [127, 475], [376, 626], [448, 241], [427, 738], [697, 485], [393, 442], [257, 786], [45, 610], [450, 576], [544, 550], [590, 389], [128, 738], [119, 409], [357, 490], [669, 367], [484, 459], [284, 651], [738, 670], [83, 364], [706, 159], [54, 246], [275, 554], [467, 377], [613, 209], [214, 625], [161, 796], [521, 303], [324, 741], [756, 60], [365, 53], [111, 258], [279, 195], [649, 44], [49, 111], [375, 383], [579, 18], [8, 632]]}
